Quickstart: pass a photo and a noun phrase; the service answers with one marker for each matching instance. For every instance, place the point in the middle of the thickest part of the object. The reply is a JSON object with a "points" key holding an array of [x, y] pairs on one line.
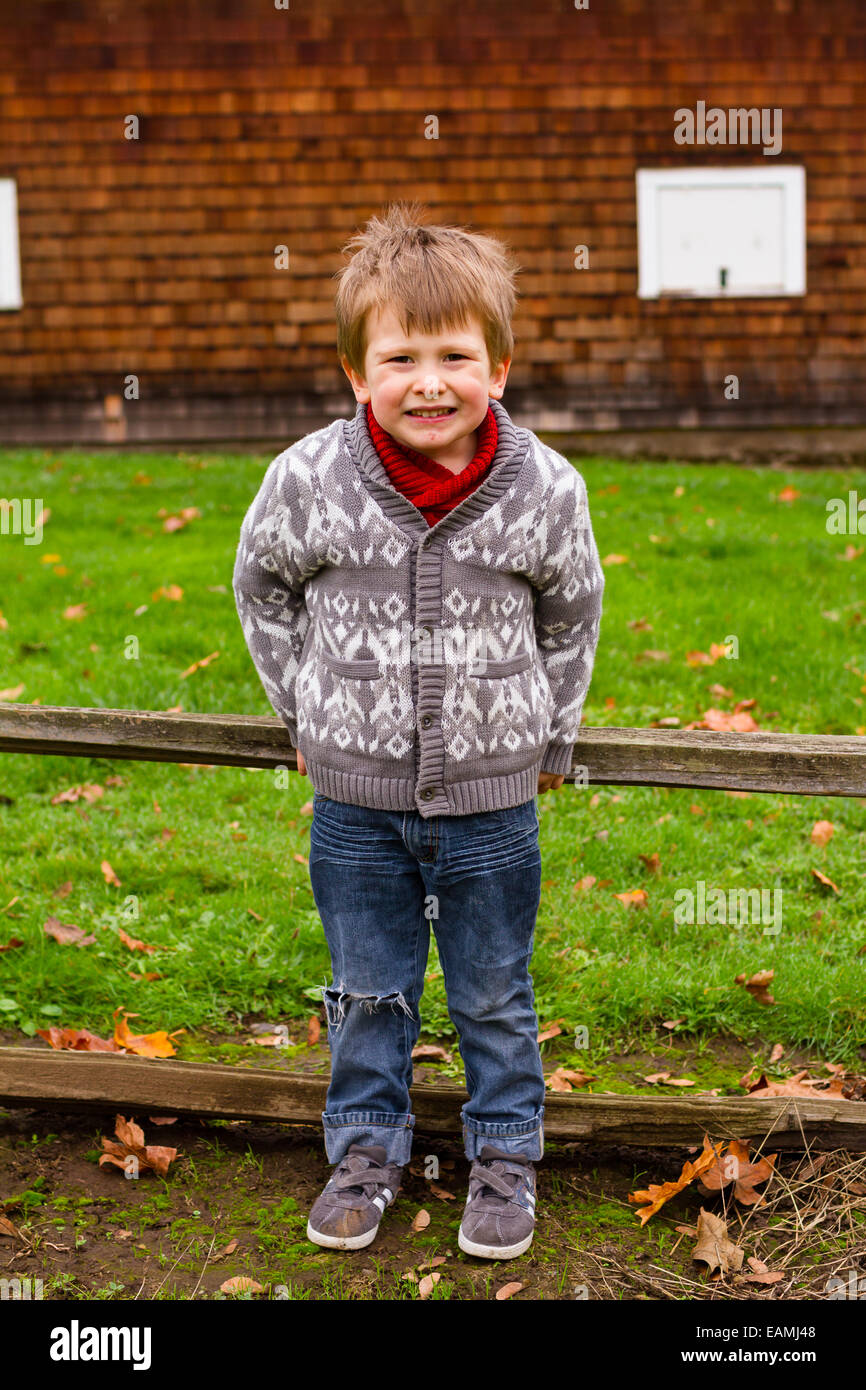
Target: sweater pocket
{"points": [[361, 669], [508, 666]]}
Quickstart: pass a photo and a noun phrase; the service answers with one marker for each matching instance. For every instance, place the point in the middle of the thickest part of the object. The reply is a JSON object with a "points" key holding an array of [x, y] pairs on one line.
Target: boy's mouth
{"points": [[436, 413]]}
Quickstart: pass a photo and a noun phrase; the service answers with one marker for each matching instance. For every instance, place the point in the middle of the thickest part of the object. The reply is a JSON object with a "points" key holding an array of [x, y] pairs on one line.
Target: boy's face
{"points": [[399, 368]]}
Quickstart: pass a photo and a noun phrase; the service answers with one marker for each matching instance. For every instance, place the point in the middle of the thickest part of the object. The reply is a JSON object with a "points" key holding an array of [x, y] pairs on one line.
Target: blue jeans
{"points": [[380, 878]]}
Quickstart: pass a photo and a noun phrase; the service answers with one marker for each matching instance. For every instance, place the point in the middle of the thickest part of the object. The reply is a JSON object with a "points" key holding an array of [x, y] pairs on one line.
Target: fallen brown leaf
{"points": [[131, 1143], [713, 1247], [507, 1290], [827, 882], [744, 1175], [132, 943], [635, 897], [822, 831], [757, 985], [157, 1044], [66, 933], [657, 1194], [241, 1283], [432, 1051], [76, 1040]]}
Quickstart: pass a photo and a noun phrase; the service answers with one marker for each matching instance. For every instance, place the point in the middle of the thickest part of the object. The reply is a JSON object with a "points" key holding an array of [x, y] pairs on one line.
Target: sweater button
{"points": [[428, 794], [426, 721]]}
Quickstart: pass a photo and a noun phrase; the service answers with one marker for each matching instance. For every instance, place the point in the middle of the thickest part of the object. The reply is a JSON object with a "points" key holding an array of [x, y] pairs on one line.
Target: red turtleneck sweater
{"points": [[434, 490]]}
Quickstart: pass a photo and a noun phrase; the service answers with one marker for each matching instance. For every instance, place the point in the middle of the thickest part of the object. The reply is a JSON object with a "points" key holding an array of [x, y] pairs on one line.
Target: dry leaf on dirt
{"points": [[736, 1168], [713, 1247], [564, 1079], [506, 1291], [431, 1051], [427, 1285], [241, 1284], [657, 1194], [157, 1044], [792, 1087], [76, 1040], [131, 1137], [441, 1192], [422, 1220], [109, 875], [314, 1029]]}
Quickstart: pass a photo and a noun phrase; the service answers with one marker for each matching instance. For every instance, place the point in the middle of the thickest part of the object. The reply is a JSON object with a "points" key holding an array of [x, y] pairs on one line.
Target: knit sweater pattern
{"points": [[431, 668]]}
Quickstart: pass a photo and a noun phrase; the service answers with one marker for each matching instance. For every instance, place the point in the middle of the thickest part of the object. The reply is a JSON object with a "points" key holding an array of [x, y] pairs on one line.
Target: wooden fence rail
{"points": [[805, 764]]}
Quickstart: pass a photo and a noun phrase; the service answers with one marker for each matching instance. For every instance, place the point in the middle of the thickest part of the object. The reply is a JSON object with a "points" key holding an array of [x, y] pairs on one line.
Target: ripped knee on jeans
{"points": [[337, 1002]]}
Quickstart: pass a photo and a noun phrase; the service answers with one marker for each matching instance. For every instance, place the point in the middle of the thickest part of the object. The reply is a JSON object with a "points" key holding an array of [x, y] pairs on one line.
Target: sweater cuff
{"points": [[558, 759]]}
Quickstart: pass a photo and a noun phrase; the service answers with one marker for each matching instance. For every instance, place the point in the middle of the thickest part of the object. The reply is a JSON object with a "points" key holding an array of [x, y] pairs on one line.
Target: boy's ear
{"points": [[498, 378], [359, 386]]}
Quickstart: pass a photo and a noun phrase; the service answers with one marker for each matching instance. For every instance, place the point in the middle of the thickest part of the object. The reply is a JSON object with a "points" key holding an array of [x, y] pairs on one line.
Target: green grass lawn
{"points": [[711, 554]]}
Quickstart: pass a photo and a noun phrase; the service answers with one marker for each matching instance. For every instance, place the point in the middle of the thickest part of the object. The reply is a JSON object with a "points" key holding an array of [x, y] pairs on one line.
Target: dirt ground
{"points": [[237, 1197]]}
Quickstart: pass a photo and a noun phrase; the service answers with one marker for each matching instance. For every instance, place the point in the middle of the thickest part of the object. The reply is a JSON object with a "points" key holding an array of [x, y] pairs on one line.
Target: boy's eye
{"points": [[405, 357]]}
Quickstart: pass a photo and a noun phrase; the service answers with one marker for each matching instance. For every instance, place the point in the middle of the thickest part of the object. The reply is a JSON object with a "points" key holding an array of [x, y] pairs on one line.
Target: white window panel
{"points": [[10, 266], [721, 232]]}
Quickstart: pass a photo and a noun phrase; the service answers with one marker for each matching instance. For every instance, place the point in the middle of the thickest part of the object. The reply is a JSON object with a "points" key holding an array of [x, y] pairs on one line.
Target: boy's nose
{"points": [[431, 387]]}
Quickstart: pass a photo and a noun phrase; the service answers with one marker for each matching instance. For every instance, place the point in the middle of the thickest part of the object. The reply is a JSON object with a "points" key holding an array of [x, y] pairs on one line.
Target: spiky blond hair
{"points": [[433, 276]]}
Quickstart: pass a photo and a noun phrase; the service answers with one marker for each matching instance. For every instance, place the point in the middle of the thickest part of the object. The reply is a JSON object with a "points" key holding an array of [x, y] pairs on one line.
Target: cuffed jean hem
{"points": [[393, 1132], [523, 1137]]}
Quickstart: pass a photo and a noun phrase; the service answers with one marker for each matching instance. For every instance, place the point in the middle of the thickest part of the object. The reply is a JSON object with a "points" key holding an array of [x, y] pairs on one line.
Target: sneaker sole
{"points": [[341, 1242], [494, 1252]]}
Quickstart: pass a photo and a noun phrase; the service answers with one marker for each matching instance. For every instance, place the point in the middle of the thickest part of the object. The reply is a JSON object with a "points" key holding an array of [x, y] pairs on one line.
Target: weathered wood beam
{"points": [[99, 1081], [806, 764]]}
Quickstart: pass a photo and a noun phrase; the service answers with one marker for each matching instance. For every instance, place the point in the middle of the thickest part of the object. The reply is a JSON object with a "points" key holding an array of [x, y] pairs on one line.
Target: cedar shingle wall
{"points": [[262, 126]]}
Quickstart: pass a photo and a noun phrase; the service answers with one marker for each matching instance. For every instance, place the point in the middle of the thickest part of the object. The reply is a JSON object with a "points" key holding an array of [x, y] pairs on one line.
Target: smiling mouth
{"points": [[437, 413]]}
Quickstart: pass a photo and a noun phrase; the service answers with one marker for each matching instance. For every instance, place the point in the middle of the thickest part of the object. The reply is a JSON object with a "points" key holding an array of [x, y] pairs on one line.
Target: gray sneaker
{"points": [[499, 1218], [347, 1214]]}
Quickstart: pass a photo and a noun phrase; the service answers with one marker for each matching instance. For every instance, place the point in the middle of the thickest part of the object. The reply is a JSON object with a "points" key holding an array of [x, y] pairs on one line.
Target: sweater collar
{"points": [[391, 450], [512, 448]]}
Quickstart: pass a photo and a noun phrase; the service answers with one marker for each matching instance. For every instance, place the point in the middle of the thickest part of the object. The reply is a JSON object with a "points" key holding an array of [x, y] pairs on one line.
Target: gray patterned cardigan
{"points": [[432, 668]]}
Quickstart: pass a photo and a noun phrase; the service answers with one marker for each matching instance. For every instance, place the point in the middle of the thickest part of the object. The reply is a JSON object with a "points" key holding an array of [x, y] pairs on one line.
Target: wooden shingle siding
{"points": [[261, 127]]}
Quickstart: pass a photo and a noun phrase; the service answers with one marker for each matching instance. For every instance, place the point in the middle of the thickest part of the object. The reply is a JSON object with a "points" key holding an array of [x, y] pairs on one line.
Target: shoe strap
{"points": [[495, 1178], [386, 1175]]}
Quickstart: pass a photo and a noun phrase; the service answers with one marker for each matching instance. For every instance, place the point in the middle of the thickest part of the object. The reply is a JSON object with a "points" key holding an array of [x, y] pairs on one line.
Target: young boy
{"points": [[420, 591]]}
